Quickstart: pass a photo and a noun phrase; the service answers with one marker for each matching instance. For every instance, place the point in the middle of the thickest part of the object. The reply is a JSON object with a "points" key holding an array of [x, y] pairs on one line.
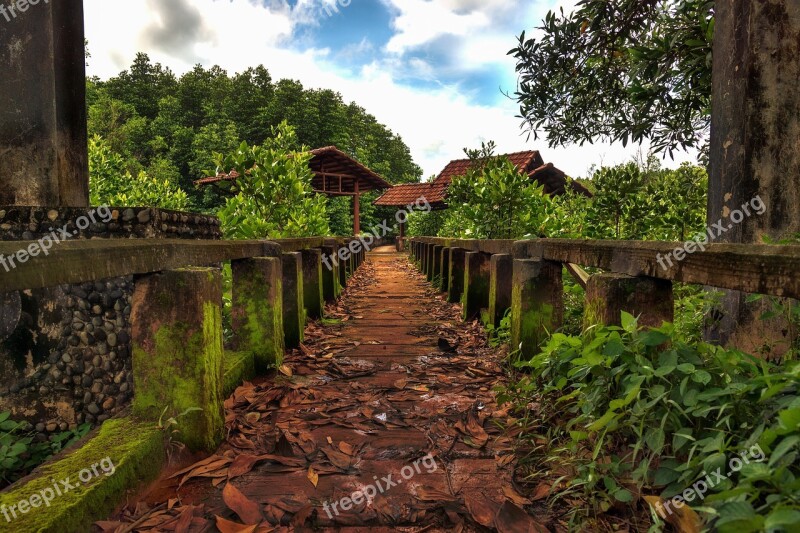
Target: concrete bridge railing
{"points": [[181, 366], [491, 276]]}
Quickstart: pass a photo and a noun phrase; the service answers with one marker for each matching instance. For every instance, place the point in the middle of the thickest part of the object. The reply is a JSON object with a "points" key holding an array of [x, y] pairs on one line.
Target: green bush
{"points": [[275, 198], [635, 411]]}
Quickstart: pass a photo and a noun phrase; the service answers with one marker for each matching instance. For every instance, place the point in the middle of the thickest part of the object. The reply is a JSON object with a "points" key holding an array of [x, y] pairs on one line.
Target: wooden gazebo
{"points": [[335, 174]]}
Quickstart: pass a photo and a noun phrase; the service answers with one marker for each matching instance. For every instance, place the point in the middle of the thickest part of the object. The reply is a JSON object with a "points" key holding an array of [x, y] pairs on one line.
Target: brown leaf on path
{"points": [[512, 494], [285, 370], [541, 491], [242, 465], [513, 519], [347, 448], [198, 465], [226, 526], [302, 516], [481, 509], [683, 519], [313, 477], [248, 510]]}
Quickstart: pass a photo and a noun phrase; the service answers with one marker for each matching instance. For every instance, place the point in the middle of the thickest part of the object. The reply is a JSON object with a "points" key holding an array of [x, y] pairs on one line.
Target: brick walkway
{"points": [[342, 444]]}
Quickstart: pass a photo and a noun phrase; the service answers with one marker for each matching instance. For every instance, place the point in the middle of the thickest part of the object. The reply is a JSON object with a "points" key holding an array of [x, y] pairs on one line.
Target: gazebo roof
{"points": [[335, 173]]}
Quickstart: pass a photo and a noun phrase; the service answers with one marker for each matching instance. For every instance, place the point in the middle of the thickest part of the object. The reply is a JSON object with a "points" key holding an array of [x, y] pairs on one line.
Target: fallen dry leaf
{"points": [[248, 510], [313, 477]]}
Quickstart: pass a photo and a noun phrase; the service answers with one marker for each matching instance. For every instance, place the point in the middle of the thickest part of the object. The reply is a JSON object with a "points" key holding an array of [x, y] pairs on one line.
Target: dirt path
{"points": [[387, 423]]}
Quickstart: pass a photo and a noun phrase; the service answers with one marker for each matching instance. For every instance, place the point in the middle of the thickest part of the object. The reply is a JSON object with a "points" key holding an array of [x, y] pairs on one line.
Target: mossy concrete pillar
{"points": [[257, 311], [423, 257], [313, 283], [43, 138], [176, 331], [294, 315], [330, 273], [476, 284], [501, 271], [455, 288], [444, 269], [608, 295], [537, 304], [437, 265], [431, 252]]}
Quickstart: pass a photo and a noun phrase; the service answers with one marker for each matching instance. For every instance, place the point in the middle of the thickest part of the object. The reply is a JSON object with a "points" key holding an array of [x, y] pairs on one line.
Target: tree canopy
{"points": [[620, 70]]}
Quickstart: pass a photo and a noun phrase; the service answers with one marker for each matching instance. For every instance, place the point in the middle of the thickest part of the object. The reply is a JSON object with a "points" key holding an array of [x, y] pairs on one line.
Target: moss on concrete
{"points": [[183, 370], [136, 450]]}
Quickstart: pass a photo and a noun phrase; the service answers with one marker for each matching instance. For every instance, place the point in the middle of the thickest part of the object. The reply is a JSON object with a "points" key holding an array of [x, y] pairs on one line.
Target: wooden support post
{"points": [[455, 289], [313, 283], [444, 269], [294, 314], [608, 295], [43, 139], [755, 161], [356, 210], [257, 311], [476, 285], [176, 331], [436, 275], [537, 304], [501, 271], [330, 273]]}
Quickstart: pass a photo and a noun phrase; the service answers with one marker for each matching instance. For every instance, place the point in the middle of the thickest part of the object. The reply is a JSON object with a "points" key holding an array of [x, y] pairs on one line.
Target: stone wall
{"points": [[65, 354]]}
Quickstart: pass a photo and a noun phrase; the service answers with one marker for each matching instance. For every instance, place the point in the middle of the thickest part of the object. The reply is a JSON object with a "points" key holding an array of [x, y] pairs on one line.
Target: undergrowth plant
{"points": [[627, 411]]}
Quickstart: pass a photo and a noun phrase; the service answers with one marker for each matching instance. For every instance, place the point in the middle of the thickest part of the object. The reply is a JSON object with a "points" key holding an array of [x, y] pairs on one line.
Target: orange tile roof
{"points": [[524, 161]]}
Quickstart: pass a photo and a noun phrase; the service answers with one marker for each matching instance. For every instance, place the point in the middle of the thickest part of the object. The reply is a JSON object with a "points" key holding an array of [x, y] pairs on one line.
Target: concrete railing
{"points": [[491, 276], [179, 362]]}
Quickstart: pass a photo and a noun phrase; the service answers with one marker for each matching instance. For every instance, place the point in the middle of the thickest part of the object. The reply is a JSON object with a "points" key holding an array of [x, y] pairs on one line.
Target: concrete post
{"points": [[608, 295], [537, 304], [330, 273], [455, 289], [313, 283], [43, 139], [444, 269], [437, 265], [755, 121], [257, 313], [501, 271], [176, 332], [431, 261], [476, 284], [294, 314]]}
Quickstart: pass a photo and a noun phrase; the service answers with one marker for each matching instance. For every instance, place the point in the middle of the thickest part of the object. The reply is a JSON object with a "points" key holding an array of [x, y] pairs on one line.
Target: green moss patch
{"points": [[135, 450]]}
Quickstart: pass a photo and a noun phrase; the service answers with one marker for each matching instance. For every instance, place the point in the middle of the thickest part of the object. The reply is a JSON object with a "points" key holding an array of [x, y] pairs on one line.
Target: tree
{"points": [[275, 198], [111, 184], [620, 70]]}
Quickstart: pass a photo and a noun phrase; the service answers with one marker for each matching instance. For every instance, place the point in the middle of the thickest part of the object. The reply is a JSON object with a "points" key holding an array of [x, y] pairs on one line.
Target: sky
{"points": [[436, 72]]}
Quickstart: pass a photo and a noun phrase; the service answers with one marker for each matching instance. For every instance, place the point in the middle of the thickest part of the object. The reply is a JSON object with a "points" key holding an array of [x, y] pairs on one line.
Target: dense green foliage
{"points": [[112, 184], [623, 70], [629, 411], [170, 126], [631, 201], [21, 452], [275, 199]]}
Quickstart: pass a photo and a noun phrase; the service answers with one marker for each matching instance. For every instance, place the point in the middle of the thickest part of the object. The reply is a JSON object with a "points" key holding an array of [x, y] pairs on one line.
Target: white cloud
{"points": [[236, 34]]}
